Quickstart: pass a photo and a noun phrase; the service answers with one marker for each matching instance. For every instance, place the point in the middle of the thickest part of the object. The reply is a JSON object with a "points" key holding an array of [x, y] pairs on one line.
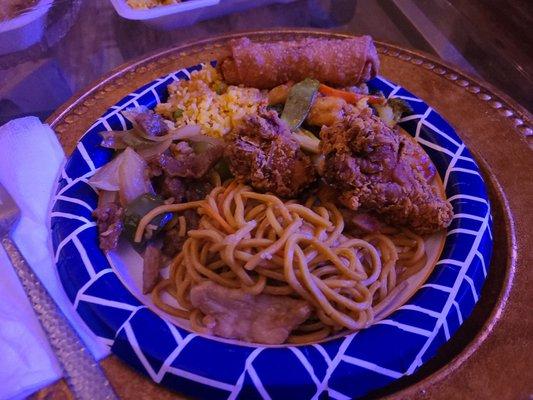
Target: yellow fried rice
{"points": [[207, 101]]}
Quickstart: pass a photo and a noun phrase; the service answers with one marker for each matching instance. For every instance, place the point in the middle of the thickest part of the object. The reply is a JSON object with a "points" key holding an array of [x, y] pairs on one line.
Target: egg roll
{"points": [[336, 62]]}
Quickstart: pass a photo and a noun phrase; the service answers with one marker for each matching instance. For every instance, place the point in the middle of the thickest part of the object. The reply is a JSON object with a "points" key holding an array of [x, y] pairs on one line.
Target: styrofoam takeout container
{"points": [[24, 30], [186, 13]]}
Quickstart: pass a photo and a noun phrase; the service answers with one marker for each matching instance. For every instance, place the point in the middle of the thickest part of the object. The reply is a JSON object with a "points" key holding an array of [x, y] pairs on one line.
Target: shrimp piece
{"points": [[328, 110]]}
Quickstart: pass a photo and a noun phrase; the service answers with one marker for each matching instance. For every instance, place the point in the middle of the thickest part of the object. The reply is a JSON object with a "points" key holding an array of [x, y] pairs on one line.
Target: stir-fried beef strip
{"points": [[180, 175], [236, 314], [197, 189], [167, 186], [173, 188], [172, 241], [151, 265], [263, 154], [109, 220], [185, 163], [361, 222], [147, 121], [378, 169], [194, 190]]}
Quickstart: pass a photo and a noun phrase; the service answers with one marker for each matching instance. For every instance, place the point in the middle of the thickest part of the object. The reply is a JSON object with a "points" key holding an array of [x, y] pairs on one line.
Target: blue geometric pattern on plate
{"points": [[210, 368]]}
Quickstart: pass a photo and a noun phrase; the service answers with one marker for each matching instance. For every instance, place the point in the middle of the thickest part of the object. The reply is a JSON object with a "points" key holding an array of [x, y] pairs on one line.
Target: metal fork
{"points": [[83, 374]]}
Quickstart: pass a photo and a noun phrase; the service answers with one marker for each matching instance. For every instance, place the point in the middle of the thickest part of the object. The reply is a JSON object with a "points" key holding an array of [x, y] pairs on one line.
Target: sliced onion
{"points": [[124, 174], [132, 112], [184, 132], [187, 132], [112, 140], [105, 197], [119, 140], [307, 141], [107, 177], [149, 152], [132, 178]]}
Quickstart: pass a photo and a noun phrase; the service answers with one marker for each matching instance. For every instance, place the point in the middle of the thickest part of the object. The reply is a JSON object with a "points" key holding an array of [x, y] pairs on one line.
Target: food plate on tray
{"points": [[168, 15], [418, 277]]}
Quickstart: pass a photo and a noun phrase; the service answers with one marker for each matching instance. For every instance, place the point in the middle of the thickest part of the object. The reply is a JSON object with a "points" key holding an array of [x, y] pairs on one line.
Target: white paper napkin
{"points": [[30, 158]]}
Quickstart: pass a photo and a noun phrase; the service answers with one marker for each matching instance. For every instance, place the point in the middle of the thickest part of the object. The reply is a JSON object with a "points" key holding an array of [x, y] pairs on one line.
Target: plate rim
{"points": [[461, 142]]}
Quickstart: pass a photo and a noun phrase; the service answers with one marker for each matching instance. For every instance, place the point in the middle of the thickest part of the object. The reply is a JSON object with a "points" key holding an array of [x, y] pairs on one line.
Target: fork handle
{"points": [[83, 374]]}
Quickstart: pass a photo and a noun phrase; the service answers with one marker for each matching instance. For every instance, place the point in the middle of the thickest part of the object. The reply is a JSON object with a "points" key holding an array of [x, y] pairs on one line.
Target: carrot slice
{"points": [[350, 97]]}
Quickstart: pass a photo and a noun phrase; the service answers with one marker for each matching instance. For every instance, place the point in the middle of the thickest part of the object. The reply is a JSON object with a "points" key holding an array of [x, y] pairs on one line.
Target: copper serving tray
{"points": [[491, 356]]}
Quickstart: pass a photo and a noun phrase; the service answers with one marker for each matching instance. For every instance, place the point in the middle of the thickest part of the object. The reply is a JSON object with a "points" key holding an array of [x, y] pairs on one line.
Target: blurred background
{"points": [[84, 39]]}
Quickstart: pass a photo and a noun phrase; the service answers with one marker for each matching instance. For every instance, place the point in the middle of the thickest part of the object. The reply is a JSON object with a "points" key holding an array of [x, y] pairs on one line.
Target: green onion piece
{"points": [[220, 87], [222, 167], [137, 209], [278, 108], [177, 114], [299, 102]]}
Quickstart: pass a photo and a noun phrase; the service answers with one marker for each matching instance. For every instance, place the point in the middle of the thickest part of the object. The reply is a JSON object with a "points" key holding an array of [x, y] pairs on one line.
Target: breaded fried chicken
{"points": [[376, 168], [263, 153]]}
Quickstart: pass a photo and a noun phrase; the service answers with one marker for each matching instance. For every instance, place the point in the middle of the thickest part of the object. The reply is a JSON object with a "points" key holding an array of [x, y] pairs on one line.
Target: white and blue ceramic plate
{"points": [[211, 368]]}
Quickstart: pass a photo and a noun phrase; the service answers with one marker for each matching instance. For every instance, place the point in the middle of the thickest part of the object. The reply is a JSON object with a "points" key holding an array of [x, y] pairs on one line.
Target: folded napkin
{"points": [[30, 158]]}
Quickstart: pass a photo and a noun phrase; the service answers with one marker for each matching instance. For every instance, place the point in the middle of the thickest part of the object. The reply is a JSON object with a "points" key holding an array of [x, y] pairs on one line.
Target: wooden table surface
{"points": [[490, 357]]}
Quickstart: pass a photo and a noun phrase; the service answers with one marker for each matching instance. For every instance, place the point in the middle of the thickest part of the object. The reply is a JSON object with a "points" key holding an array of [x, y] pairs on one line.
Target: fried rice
{"points": [[207, 101]]}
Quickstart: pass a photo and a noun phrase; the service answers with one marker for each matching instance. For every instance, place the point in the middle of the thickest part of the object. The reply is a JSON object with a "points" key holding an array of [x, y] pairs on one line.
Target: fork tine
{"points": [[9, 212]]}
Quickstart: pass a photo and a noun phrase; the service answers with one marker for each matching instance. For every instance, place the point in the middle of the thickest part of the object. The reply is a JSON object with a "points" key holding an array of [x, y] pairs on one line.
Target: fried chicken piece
{"points": [[417, 158], [380, 170], [236, 314], [263, 153]]}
